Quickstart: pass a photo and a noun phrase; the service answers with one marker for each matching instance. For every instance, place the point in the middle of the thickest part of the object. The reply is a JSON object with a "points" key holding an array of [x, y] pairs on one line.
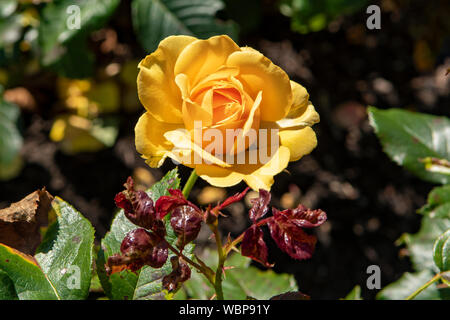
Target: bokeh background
{"points": [[68, 107]]}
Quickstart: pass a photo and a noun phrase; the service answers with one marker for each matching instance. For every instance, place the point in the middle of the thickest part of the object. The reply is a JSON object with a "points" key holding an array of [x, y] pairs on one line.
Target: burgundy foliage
{"points": [[286, 229], [253, 245], [186, 222], [260, 205], [139, 248], [234, 198], [142, 247], [166, 204], [138, 208], [180, 273]]}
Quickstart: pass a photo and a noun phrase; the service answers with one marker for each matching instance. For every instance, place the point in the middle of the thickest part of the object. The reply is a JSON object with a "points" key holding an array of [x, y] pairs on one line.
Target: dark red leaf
{"points": [[166, 204], [253, 245], [139, 248], [260, 205], [301, 217], [186, 222], [292, 239], [180, 273], [234, 198], [137, 205]]}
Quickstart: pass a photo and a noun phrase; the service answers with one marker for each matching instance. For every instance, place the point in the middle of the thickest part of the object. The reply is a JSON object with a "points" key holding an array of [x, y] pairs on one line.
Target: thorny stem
{"points": [[229, 246], [426, 285], [209, 274], [189, 184], [222, 256]]}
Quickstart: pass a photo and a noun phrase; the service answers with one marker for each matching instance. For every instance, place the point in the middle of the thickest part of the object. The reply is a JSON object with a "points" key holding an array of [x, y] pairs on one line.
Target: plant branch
{"points": [[229, 246], [221, 262], [426, 285]]}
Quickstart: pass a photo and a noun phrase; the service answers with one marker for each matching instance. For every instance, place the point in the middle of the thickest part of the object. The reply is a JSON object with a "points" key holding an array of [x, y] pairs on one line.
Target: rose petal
{"points": [[258, 73], [156, 86], [150, 140]]}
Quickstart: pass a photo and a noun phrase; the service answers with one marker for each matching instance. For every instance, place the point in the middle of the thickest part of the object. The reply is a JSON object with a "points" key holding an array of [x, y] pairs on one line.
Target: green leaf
{"points": [[407, 137], [435, 221], [146, 284], [441, 251], [7, 290], [355, 294], [409, 283], [155, 20], [61, 269], [29, 281], [420, 245], [61, 45], [11, 141], [240, 282], [438, 204]]}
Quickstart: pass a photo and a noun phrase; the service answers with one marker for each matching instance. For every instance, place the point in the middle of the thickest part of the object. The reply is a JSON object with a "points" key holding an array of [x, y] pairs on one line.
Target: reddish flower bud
{"points": [[186, 223], [138, 206], [166, 204], [180, 273], [138, 248]]}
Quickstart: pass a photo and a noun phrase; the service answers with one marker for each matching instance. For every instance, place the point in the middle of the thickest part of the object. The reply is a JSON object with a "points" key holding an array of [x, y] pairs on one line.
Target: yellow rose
{"points": [[215, 87]]}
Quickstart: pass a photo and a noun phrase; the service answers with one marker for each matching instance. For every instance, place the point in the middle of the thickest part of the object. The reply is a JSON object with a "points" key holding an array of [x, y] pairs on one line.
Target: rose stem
{"points": [[229, 246], [189, 184], [222, 257]]}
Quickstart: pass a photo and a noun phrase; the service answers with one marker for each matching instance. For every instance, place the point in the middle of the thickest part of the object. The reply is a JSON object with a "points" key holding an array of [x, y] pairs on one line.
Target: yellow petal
{"points": [[258, 73], [204, 57], [300, 97], [217, 176], [150, 140], [306, 116], [156, 85], [257, 176], [181, 139], [300, 142]]}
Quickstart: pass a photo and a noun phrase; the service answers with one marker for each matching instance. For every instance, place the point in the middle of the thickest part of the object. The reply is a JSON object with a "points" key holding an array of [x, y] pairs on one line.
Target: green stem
{"points": [[222, 257], [190, 183], [426, 285]]}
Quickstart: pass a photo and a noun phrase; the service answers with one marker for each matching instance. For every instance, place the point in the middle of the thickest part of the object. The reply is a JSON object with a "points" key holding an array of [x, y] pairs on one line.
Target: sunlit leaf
{"points": [[62, 266], [407, 137], [409, 283], [441, 251]]}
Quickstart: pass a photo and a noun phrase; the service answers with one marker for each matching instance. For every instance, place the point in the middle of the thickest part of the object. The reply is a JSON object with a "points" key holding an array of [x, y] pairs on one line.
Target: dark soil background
{"points": [[370, 201]]}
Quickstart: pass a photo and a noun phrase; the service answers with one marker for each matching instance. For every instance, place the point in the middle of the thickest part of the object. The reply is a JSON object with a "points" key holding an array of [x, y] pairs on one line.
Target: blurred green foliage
{"points": [[10, 140], [311, 16]]}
